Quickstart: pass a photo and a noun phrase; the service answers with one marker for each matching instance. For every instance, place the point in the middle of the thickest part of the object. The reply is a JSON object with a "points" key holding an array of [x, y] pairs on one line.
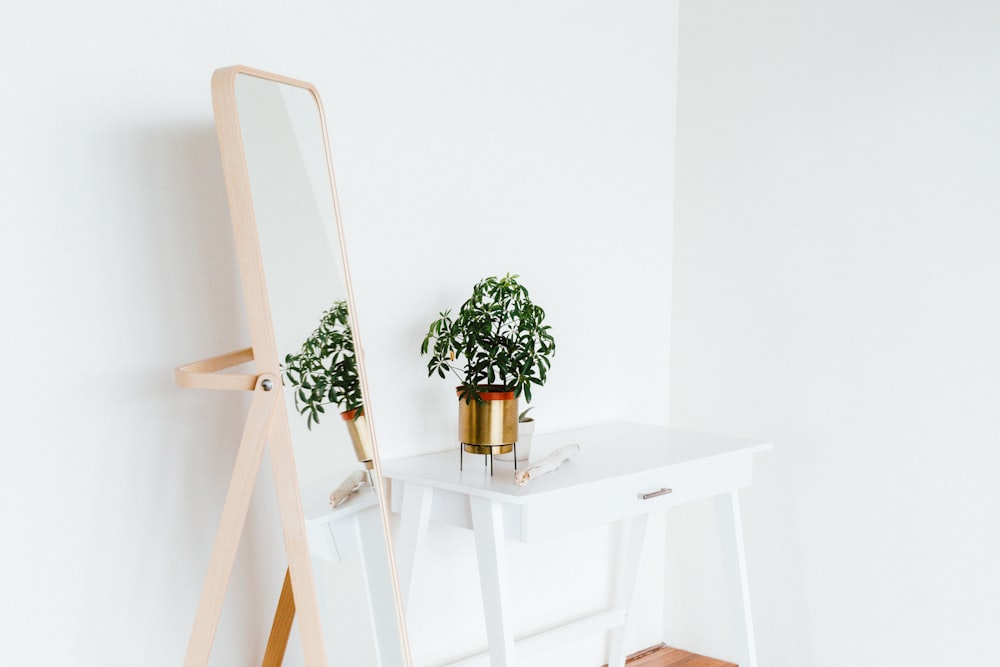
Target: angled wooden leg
{"points": [[487, 521], [731, 531], [277, 642], [628, 579], [293, 527], [234, 516]]}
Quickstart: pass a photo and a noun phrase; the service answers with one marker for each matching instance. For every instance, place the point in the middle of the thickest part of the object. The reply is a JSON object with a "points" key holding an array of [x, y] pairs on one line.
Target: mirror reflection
{"points": [[294, 205], [324, 372]]}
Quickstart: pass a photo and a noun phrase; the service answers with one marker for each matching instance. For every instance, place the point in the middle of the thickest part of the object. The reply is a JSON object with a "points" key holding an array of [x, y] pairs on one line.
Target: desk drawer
{"points": [[624, 497]]}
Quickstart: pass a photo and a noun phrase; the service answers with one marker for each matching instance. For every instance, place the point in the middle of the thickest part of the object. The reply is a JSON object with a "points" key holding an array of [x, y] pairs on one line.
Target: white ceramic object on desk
{"points": [[525, 432]]}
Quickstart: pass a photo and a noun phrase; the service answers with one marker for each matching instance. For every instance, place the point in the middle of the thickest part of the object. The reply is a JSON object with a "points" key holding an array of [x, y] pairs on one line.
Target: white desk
{"points": [[618, 464]]}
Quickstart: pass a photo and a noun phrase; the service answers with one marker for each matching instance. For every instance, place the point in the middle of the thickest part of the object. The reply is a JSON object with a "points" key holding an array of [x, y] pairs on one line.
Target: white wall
{"points": [[836, 290], [470, 138], [537, 139]]}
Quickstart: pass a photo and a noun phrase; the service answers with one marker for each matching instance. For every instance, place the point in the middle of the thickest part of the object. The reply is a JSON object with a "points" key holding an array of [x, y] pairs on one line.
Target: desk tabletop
{"points": [[607, 452]]}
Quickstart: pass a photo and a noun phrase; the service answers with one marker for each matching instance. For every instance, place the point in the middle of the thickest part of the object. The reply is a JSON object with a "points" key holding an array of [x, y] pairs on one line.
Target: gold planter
{"points": [[357, 427], [489, 427]]}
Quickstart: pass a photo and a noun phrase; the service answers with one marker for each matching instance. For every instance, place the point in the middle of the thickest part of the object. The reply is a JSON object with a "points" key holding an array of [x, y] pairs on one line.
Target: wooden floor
{"points": [[664, 656]]}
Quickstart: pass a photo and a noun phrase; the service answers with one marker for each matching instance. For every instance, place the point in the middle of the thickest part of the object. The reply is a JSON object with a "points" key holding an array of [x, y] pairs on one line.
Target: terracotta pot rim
{"points": [[489, 395], [348, 415]]}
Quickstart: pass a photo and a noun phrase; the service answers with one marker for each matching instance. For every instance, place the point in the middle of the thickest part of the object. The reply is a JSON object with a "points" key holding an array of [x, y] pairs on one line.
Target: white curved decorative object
{"points": [[546, 465], [353, 483]]}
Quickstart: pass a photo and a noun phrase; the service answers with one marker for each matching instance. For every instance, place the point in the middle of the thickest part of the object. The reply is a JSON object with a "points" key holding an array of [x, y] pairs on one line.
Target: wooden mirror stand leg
{"points": [[261, 426], [282, 626]]}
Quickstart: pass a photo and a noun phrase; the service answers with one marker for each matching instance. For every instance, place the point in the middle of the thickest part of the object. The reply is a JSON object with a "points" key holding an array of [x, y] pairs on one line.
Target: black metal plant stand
{"points": [[490, 455]]}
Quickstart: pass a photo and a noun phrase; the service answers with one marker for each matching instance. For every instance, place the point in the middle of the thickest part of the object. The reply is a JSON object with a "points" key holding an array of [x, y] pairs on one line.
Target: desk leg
{"points": [[378, 576], [731, 529], [487, 521], [413, 520], [628, 579]]}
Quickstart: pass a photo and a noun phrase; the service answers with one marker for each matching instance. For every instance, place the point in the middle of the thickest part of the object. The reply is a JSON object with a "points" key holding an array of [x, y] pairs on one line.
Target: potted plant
{"points": [[498, 347], [325, 372]]}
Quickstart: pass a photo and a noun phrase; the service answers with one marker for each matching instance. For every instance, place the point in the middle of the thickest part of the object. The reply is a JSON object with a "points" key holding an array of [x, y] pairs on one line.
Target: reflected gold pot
{"points": [[490, 426], [357, 427]]}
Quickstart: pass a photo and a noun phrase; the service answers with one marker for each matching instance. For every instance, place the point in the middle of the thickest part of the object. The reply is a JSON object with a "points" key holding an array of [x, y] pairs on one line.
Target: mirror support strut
{"points": [[206, 374], [274, 654]]}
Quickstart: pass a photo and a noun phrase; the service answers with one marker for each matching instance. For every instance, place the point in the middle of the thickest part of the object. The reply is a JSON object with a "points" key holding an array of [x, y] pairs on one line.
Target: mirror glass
{"points": [[294, 203]]}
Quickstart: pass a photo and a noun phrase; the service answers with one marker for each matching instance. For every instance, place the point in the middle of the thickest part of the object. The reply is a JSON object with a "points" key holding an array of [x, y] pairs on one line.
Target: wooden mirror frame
{"points": [[268, 416]]}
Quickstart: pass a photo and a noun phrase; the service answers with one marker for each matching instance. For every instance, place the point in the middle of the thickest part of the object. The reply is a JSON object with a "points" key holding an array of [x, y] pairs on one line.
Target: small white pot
{"points": [[525, 430]]}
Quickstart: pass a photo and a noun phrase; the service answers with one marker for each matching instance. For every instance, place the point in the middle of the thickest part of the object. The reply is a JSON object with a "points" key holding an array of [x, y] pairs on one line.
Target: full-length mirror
{"points": [[281, 189]]}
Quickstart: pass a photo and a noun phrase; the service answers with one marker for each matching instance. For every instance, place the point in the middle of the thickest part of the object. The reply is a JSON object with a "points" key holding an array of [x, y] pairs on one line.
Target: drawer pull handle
{"points": [[655, 494]]}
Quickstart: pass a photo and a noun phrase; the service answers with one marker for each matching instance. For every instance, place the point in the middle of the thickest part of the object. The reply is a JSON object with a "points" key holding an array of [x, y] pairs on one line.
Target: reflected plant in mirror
{"points": [[498, 346], [325, 372]]}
